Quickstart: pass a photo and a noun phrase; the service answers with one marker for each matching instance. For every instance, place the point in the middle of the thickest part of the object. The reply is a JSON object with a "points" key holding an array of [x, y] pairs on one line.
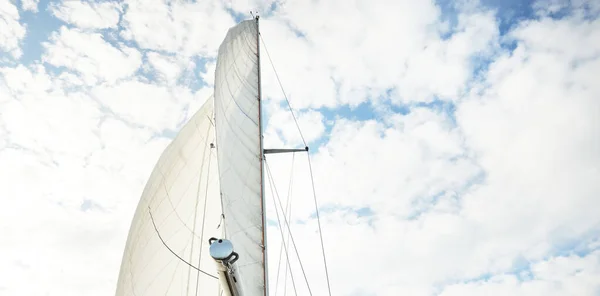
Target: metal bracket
{"points": [[272, 151]]}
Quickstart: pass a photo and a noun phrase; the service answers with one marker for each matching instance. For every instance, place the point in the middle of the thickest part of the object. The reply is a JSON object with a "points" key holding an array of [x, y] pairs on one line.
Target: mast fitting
{"points": [[221, 250]]}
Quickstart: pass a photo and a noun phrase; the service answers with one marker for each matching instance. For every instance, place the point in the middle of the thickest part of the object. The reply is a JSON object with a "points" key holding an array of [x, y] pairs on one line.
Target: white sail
{"points": [[179, 211], [237, 121], [198, 190]]}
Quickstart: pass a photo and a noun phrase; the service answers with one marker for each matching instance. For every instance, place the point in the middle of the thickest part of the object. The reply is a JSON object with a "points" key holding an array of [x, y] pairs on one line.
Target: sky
{"points": [[455, 144]]}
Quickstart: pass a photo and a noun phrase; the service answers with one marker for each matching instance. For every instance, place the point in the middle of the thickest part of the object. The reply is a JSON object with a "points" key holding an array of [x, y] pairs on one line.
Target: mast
{"points": [[262, 155]]}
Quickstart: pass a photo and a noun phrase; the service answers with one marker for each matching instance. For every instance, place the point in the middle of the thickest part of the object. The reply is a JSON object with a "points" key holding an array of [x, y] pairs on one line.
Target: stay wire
{"points": [[318, 221], [283, 91], [276, 194], [278, 268], [309, 163], [288, 208]]}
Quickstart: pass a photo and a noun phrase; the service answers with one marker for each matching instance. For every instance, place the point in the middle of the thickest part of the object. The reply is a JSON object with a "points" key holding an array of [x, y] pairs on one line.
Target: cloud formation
{"points": [[453, 153], [12, 31], [88, 15]]}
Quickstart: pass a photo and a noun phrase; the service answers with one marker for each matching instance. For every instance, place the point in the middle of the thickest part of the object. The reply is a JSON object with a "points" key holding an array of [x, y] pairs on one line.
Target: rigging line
{"points": [[216, 147], [183, 260], [287, 204], [288, 265], [312, 180], [288, 208], [271, 182], [196, 210], [283, 91], [203, 215], [288, 227], [278, 268]]}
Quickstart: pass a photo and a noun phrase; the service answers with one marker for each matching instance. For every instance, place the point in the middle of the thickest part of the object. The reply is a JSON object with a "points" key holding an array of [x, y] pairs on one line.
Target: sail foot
{"points": [[221, 250]]}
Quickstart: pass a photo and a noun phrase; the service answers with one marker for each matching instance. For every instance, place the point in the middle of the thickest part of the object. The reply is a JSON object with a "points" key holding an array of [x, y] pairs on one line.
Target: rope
{"points": [[165, 244], [284, 95], [203, 216]]}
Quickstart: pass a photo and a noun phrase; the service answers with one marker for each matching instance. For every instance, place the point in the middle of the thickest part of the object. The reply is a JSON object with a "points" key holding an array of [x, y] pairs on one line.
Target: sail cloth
{"points": [[192, 185], [239, 151], [182, 184]]}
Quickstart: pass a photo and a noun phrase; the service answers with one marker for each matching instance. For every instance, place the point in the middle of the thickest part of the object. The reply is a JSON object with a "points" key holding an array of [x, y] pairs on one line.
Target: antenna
{"points": [[254, 14]]}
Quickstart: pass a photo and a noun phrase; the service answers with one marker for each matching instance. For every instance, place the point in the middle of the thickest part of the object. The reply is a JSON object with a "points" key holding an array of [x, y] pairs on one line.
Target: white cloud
{"points": [[351, 54], [144, 104], [182, 27], [534, 133], [575, 38], [244, 7], [281, 122], [55, 159], [88, 15], [12, 31], [169, 69], [569, 275], [302, 71], [443, 67], [580, 7], [71, 162], [418, 157], [54, 195], [362, 44], [530, 127], [30, 5], [34, 114], [21, 79], [91, 56]]}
